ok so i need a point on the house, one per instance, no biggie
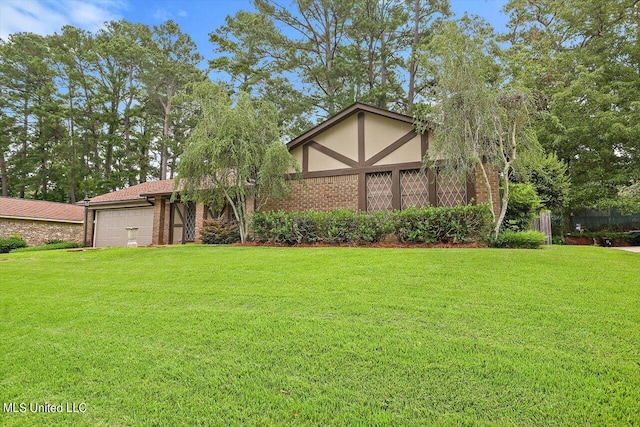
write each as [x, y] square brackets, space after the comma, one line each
[38, 221]
[363, 158]
[367, 158]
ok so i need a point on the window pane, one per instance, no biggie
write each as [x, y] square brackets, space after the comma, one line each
[452, 188]
[415, 189]
[379, 195]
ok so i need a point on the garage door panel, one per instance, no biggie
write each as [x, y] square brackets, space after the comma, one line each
[111, 226]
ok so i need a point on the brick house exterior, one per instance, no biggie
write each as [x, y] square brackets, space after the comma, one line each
[38, 221]
[363, 158]
[149, 208]
[366, 158]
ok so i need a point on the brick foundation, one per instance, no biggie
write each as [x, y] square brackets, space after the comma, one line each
[37, 233]
[320, 194]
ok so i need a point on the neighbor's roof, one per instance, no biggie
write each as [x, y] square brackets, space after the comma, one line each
[40, 210]
[342, 115]
[136, 192]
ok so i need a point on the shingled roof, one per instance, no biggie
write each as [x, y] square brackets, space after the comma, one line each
[136, 192]
[40, 210]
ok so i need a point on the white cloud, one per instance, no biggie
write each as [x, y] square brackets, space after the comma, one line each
[182, 13]
[48, 16]
[161, 14]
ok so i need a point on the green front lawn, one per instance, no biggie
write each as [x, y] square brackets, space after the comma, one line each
[322, 336]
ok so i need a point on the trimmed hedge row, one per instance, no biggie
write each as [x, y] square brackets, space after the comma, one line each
[457, 224]
[49, 247]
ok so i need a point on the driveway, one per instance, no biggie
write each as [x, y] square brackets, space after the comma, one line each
[635, 249]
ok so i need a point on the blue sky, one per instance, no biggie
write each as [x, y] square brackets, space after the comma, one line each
[196, 17]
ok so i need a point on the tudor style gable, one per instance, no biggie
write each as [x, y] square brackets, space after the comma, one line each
[367, 158]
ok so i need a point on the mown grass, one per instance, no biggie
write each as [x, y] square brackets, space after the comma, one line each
[201, 335]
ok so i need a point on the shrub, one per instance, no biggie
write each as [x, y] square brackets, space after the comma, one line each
[372, 227]
[457, 224]
[11, 243]
[519, 240]
[54, 242]
[337, 226]
[613, 235]
[217, 231]
[524, 204]
[275, 227]
[50, 246]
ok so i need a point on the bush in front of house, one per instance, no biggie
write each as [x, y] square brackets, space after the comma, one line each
[11, 243]
[218, 231]
[519, 240]
[59, 244]
[458, 224]
[424, 225]
[337, 226]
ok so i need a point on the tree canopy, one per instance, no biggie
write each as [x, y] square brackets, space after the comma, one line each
[480, 120]
[581, 59]
[233, 155]
[84, 112]
[90, 113]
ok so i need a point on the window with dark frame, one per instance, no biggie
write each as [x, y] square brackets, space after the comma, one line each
[379, 191]
[451, 188]
[414, 189]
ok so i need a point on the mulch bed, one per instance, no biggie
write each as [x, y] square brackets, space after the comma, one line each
[370, 245]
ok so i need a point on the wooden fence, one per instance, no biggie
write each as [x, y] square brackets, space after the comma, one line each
[543, 224]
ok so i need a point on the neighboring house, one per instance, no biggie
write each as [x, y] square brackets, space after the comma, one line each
[38, 221]
[363, 158]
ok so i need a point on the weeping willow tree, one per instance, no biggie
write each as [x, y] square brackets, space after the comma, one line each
[480, 122]
[233, 155]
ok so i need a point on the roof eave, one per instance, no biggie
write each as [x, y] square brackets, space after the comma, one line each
[120, 202]
[27, 218]
[160, 194]
[342, 115]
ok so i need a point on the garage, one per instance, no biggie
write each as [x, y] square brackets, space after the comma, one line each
[111, 226]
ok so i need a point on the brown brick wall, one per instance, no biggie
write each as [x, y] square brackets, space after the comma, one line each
[200, 218]
[160, 232]
[90, 227]
[321, 194]
[39, 232]
[482, 195]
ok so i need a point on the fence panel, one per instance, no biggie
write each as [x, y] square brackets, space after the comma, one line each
[543, 224]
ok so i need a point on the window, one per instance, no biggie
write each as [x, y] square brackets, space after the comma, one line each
[379, 193]
[189, 222]
[451, 188]
[414, 189]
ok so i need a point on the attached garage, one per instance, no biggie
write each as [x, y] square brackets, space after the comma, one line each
[111, 226]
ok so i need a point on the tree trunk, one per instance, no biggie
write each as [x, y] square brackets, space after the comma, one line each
[164, 152]
[412, 62]
[72, 193]
[505, 201]
[487, 184]
[382, 103]
[4, 178]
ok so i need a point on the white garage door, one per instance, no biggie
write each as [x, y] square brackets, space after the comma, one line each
[111, 226]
